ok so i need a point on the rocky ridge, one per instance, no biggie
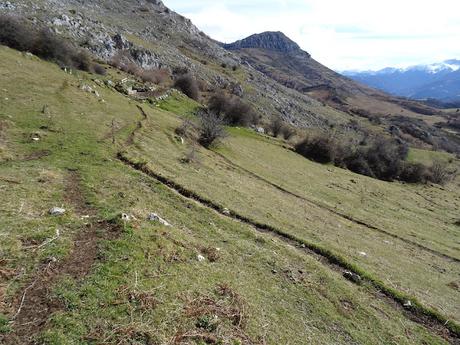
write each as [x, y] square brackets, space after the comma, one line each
[156, 37]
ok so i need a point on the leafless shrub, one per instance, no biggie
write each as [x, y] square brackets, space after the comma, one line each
[440, 173]
[191, 156]
[320, 148]
[211, 129]
[233, 109]
[187, 129]
[188, 85]
[413, 173]
[156, 76]
[275, 127]
[288, 132]
[98, 69]
[17, 34]
[378, 157]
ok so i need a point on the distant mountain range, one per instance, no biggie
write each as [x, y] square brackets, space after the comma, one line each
[440, 81]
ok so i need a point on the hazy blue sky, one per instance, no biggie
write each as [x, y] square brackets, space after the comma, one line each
[342, 34]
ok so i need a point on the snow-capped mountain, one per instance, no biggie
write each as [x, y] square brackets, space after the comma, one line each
[438, 80]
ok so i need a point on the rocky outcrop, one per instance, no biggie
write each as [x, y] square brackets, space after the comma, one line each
[270, 40]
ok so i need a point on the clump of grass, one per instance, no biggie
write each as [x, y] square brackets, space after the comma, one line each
[213, 254]
[4, 324]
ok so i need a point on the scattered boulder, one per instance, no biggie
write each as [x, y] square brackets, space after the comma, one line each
[363, 254]
[57, 211]
[153, 217]
[200, 258]
[355, 278]
[260, 130]
[226, 211]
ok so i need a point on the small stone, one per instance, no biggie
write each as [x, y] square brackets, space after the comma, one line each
[274, 271]
[200, 258]
[56, 211]
[50, 260]
[407, 304]
[363, 253]
[153, 217]
[226, 211]
[125, 217]
[86, 88]
[355, 278]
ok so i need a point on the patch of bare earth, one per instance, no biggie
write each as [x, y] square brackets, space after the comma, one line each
[35, 305]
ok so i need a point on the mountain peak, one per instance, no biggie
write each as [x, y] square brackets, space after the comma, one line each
[270, 40]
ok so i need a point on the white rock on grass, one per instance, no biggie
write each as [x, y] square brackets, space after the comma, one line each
[153, 217]
[56, 211]
[200, 258]
[125, 217]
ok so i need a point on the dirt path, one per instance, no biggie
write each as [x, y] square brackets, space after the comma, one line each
[35, 304]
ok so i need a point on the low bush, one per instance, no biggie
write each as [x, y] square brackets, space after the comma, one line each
[188, 85]
[17, 34]
[414, 173]
[288, 132]
[440, 173]
[320, 148]
[156, 76]
[232, 109]
[98, 69]
[380, 158]
[276, 126]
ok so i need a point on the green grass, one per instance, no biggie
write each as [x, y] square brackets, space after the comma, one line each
[178, 103]
[427, 157]
[147, 284]
[415, 215]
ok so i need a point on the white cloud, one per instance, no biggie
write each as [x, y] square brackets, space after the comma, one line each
[343, 34]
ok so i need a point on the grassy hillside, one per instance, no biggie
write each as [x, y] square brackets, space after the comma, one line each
[92, 276]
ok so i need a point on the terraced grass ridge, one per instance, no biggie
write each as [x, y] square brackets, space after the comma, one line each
[260, 245]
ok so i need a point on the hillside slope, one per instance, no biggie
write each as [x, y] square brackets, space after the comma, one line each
[155, 36]
[104, 273]
[118, 228]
